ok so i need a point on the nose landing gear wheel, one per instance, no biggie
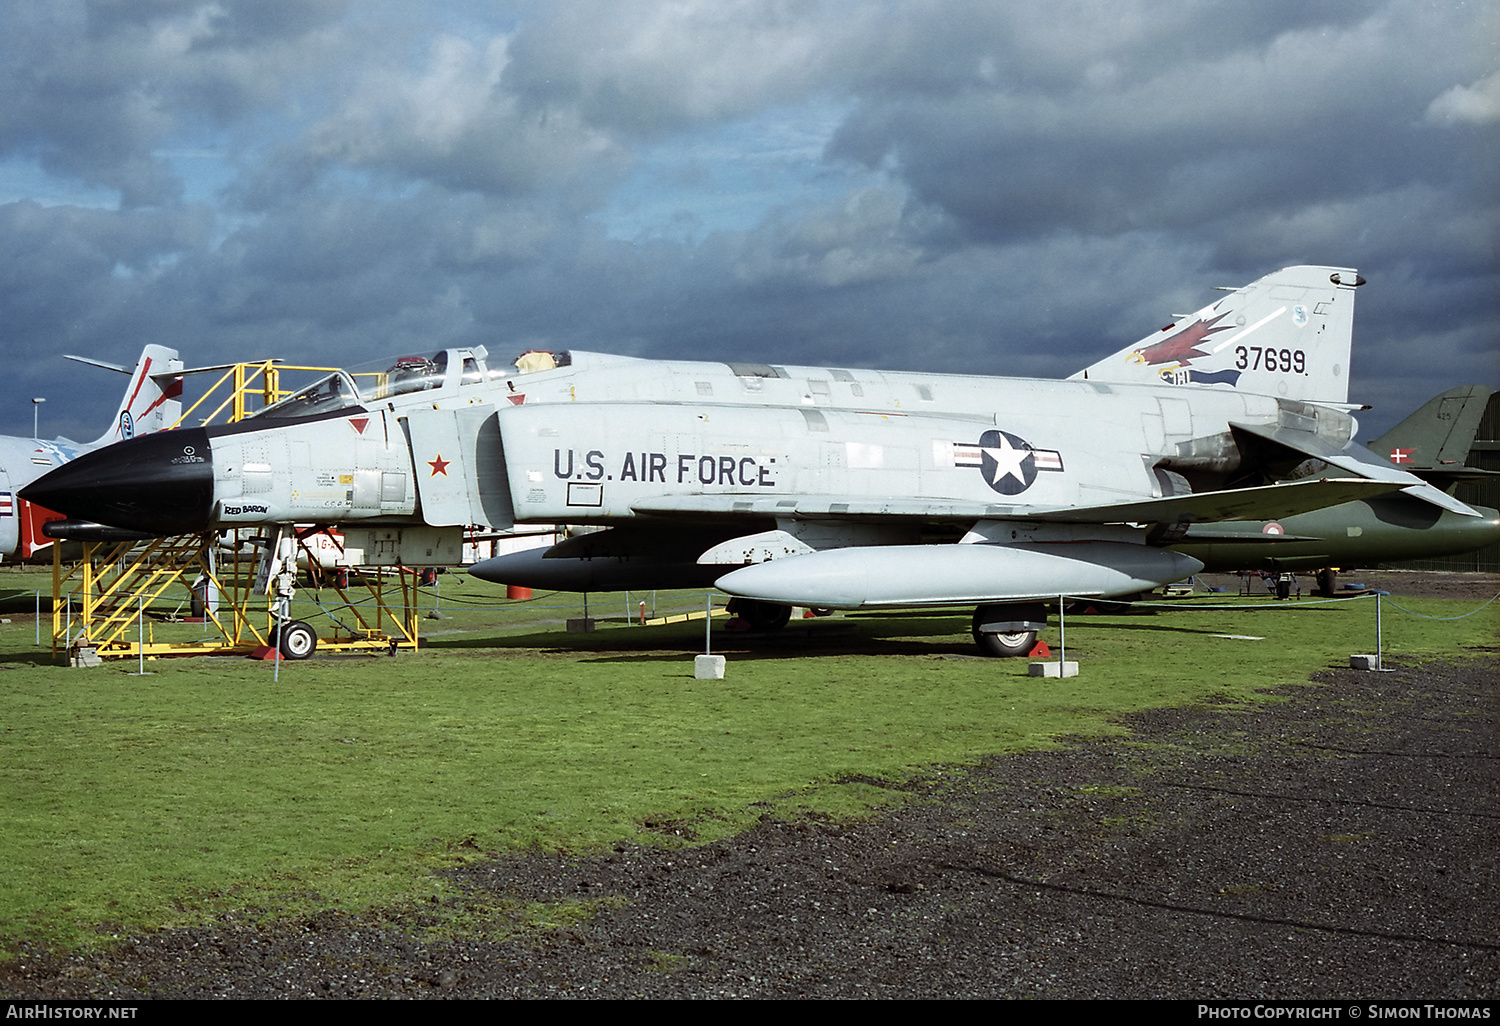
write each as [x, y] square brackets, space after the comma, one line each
[296, 640]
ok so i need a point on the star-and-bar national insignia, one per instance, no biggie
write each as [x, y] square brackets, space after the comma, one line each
[1008, 463]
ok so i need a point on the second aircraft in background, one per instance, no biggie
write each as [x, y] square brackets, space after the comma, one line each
[151, 403]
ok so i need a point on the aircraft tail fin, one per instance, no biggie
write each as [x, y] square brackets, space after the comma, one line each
[1438, 435]
[1288, 334]
[152, 400]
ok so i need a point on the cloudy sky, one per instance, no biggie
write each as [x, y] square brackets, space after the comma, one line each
[990, 187]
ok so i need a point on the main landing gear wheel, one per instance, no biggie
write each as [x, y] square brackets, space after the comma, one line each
[1008, 631]
[295, 639]
[1328, 582]
[1005, 645]
[761, 616]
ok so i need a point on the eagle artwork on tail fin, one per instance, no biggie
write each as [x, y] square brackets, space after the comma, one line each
[1181, 348]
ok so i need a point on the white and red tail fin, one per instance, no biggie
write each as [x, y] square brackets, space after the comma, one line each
[152, 400]
[1287, 335]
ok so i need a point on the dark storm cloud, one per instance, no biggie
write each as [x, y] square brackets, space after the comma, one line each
[1234, 119]
[641, 69]
[93, 88]
[449, 121]
[1022, 188]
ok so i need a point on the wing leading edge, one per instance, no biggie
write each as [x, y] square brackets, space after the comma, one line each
[1267, 502]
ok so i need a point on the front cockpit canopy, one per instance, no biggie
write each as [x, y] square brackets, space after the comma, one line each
[327, 395]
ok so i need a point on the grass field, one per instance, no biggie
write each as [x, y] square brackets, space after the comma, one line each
[206, 786]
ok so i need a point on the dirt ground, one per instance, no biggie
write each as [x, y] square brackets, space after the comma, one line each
[1342, 842]
[1412, 583]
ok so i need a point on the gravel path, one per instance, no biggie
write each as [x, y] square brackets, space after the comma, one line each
[1341, 843]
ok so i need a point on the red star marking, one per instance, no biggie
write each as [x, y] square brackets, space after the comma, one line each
[1401, 455]
[359, 423]
[439, 465]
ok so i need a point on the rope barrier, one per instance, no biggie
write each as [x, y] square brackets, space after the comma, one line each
[1424, 616]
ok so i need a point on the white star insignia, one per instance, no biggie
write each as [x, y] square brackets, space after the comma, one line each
[1008, 461]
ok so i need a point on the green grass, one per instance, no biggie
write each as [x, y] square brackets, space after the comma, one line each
[208, 786]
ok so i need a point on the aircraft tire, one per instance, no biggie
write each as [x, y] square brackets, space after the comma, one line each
[1012, 628]
[296, 640]
[1328, 581]
[762, 616]
[1005, 644]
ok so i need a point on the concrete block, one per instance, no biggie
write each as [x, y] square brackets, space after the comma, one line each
[1054, 669]
[708, 667]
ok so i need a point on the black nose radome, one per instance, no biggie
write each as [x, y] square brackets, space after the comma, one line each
[160, 484]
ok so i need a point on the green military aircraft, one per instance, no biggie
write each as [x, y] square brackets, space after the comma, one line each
[1432, 444]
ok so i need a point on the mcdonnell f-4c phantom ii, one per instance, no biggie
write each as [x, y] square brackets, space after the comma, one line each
[150, 403]
[814, 486]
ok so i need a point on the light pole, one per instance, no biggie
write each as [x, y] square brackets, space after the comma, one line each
[36, 407]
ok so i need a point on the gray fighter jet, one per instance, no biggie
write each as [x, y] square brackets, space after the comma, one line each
[815, 486]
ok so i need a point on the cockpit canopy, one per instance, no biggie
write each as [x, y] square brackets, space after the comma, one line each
[449, 368]
[327, 395]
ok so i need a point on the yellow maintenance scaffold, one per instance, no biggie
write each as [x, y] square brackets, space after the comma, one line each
[149, 598]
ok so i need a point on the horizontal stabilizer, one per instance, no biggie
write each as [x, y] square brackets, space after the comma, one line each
[166, 373]
[1267, 502]
[1356, 460]
[120, 368]
[210, 368]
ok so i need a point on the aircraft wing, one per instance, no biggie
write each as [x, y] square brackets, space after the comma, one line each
[1268, 502]
[1209, 535]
